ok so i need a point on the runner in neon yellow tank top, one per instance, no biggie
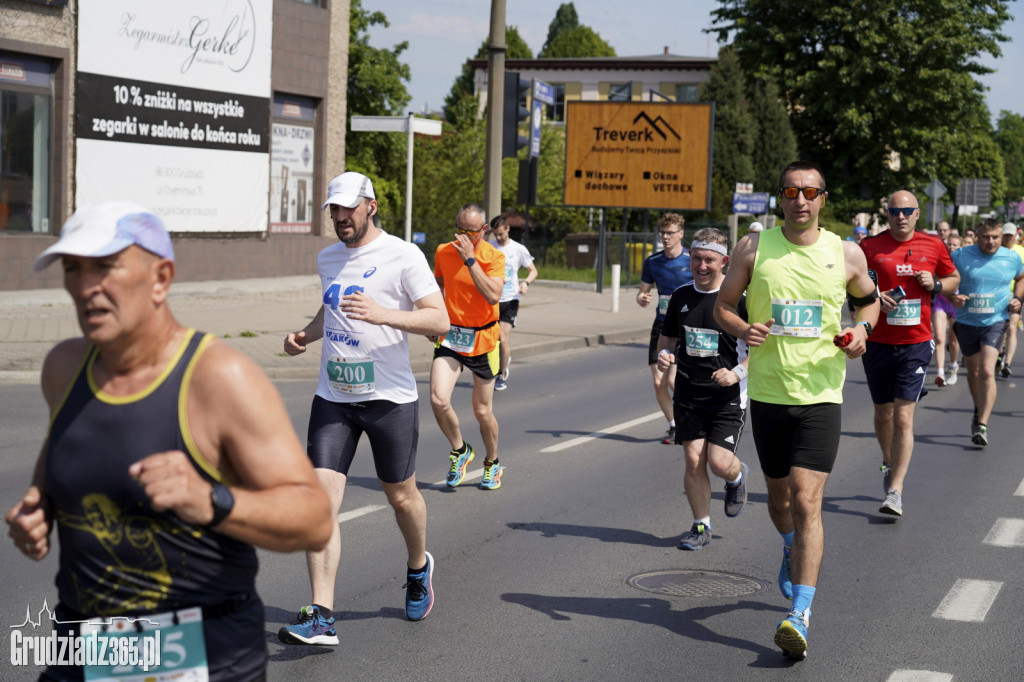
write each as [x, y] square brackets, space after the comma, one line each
[796, 279]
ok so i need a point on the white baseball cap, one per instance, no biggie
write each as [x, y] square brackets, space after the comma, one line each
[347, 189]
[756, 227]
[103, 229]
[1009, 228]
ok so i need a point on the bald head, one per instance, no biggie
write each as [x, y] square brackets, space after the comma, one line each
[902, 199]
[903, 214]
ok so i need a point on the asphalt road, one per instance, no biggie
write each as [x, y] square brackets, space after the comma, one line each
[532, 580]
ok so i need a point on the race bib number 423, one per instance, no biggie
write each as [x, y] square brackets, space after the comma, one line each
[796, 317]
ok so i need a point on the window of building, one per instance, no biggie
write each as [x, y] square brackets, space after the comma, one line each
[556, 111]
[25, 133]
[620, 92]
[686, 93]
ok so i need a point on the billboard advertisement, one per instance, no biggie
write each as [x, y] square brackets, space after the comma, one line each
[639, 155]
[172, 110]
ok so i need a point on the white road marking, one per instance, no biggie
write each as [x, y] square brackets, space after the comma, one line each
[362, 511]
[1006, 533]
[968, 600]
[602, 433]
[919, 676]
[470, 475]
[1020, 489]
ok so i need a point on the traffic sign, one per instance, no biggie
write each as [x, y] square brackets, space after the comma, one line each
[543, 92]
[753, 203]
[976, 191]
[935, 189]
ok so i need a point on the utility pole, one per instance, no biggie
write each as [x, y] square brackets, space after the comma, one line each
[495, 95]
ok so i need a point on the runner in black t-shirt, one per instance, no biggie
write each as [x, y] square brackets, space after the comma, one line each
[710, 395]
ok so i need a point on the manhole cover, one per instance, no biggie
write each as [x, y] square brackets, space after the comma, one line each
[679, 583]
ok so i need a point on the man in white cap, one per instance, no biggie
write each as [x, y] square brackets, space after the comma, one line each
[168, 456]
[377, 289]
[1009, 240]
[755, 227]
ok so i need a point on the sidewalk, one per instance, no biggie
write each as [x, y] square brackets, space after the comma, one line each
[254, 316]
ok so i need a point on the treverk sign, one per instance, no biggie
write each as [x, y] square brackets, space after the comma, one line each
[639, 154]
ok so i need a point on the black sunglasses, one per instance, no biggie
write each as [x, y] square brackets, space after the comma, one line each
[908, 211]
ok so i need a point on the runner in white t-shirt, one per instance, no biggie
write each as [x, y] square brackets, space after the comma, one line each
[377, 289]
[516, 256]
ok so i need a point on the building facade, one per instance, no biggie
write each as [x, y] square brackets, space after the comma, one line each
[661, 78]
[227, 117]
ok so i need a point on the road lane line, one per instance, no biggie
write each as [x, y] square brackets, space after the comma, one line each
[602, 433]
[361, 511]
[1006, 533]
[968, 600]
[470, 475]
[919, 676]
[1020, 489]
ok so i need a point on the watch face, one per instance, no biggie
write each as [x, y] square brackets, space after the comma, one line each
[222, 499]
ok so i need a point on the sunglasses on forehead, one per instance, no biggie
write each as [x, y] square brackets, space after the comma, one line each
[908, 211]
[810, 193]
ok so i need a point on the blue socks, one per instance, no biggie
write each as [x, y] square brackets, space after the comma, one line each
[802, 597]
[788, 537]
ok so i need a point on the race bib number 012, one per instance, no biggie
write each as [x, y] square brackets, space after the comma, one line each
[796, 317]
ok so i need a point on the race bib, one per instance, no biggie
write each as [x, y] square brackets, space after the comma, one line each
[460, 339]
[663, 304]
[906, 314]
[984, 304]
[701, 343]
[509, 289]
[170, 646]
[350, 375]
[796, 317]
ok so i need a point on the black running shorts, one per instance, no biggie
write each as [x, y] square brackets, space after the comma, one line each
[393, 430]
[787, 436]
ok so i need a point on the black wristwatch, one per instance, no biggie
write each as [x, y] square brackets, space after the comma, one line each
[937, 287]
[867, 326]
[469, 262]
[223, 502]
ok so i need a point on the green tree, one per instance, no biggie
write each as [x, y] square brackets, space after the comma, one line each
[861, 79]
[1009, 136]
[774, 139]
[376, 87]
[565, 19]
[462, 89]
[581, 41]
[734, 131]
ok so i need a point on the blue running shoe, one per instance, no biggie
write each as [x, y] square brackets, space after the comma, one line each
[791, 635]
[785, 581]
[310, 628]
[459, 463]
[419, 591]
[698, 537]
[736, 495]
[492, 476]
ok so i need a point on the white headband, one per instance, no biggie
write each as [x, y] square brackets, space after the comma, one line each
[710, 246]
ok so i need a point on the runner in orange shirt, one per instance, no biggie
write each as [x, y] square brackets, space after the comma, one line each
[471, 274]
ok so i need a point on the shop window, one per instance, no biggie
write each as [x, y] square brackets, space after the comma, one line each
[25, 133]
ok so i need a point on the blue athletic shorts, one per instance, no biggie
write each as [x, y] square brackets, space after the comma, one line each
[393, 430]
[897, 370]
[972, 338]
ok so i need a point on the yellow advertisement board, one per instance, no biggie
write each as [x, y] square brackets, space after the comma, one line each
[639, 155]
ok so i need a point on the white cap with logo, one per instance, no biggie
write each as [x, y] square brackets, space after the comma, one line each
[1009, 228]
[103, 229]
[756, 227]
[347, 189]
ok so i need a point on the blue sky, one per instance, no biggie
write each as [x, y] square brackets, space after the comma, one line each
[442, 35]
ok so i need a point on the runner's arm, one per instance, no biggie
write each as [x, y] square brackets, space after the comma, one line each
[531, 275]
[430, 317]
[239, 424]
[296, 342]
[859, 285]
[737, 279]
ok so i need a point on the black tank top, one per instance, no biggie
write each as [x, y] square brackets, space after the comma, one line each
[117, 555]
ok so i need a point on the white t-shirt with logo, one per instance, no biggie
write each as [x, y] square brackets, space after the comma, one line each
[516, 256]
[362, 361]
